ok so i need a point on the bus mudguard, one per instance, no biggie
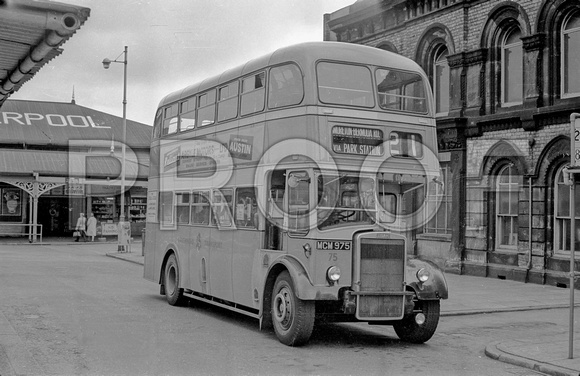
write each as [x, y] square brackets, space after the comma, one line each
[434, 288]
[305, 289]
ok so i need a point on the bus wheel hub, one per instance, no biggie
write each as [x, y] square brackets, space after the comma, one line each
[282, 307]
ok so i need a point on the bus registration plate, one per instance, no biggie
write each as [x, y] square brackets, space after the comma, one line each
[334, 245]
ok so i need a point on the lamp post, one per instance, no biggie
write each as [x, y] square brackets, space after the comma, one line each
[123, 237]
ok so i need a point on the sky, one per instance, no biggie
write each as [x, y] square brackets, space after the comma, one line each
[171, 44]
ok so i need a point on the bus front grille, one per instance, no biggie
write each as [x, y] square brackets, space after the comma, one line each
[381, 275]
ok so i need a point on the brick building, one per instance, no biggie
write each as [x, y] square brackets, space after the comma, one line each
[506, 80]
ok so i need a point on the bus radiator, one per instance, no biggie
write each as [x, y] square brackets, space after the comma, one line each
[382, 273]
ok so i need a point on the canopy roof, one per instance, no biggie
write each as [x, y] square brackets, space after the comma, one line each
[31, 34]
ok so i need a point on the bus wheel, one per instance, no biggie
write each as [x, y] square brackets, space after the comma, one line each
[293, 318]
[419, 327]
[173, 293]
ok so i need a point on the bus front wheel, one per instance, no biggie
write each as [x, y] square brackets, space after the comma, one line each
[409, 330]
[173, 293]
[293, 318]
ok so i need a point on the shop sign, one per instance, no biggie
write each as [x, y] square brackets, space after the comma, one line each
[73, 188]
[109, 229]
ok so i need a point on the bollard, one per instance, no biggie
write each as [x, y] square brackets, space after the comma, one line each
[143, 242]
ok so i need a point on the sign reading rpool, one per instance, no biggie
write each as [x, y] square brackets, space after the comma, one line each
[55, 120]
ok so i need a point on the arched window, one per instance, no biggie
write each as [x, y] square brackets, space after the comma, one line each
[441, 81]
[512, 68]
[562, 214]
[507, 197]
[570, 56]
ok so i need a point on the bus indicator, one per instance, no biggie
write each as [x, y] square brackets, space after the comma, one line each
[332, 245]
[354, 140]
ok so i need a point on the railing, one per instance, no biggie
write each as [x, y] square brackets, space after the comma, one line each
[7, 231]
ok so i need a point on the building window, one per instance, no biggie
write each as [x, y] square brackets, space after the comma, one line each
[441, 222]
[512, 68]
[570, 56]
[562, 216]
[441, 81]
[507, 198]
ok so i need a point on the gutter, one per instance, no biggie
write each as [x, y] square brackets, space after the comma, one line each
[60, 26]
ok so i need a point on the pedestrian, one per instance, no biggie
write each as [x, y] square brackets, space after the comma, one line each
[81, 227]
[92, 227]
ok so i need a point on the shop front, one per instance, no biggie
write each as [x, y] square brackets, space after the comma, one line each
[58, 160]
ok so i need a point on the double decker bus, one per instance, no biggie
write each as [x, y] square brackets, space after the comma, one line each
[286, 189]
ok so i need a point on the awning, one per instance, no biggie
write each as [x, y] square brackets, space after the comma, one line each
[70, 164]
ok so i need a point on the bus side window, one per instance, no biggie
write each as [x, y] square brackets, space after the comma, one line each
[206, 108]
[166, 209]
[200, 208]
[298, 201]
[285, 87]
[246, 208]
[157, 125]
[187, 115]
[182, 209]
[170, 120]
[228, 101]
[221, 204]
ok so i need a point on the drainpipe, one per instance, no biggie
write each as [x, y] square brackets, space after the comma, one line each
[530, 207]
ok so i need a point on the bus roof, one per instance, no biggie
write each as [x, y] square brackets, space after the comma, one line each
[304, 54]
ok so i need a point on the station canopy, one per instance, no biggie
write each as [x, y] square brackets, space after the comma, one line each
[32, 33]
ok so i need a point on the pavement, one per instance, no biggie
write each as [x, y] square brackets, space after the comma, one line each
[468, 295]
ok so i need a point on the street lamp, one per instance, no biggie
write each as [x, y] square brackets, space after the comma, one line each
[123, 236]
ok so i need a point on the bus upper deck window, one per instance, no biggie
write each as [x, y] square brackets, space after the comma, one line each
[170, 120]
[187, 115]
[285, 87]
[206, 109]
[401, 91]
[345, 84]
[253, 93]
[228, 101]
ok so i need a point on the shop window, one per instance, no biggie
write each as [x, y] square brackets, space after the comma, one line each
[571, 56]
[507, 200]
[253, 94]
[206, 109]
[441, 222]
[562, 218]
[441, 81]
[11, 203]
[228, 102]
[512, 68]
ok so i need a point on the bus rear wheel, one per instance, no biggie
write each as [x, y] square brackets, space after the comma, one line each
[409, 330]
[173, 293]
[293, 318]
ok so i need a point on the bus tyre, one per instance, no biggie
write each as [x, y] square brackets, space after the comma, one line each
[409, 330]
[293, 318]
[173, 293]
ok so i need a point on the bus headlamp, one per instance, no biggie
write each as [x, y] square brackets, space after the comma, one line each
[423, 275]
[333, 274]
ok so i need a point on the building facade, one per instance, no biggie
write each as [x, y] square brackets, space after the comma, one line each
[58, 160]
[506, 80]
